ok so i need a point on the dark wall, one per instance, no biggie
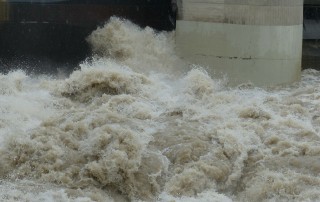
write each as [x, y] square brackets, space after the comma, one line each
[311, 35]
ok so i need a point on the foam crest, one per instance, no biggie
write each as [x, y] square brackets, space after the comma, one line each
[110, 79]
[11, 83]
[23, 103]
[144, 50]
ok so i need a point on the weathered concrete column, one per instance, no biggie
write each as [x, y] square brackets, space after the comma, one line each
[249, 40]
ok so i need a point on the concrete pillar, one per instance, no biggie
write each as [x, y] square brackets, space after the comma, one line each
[249, 40]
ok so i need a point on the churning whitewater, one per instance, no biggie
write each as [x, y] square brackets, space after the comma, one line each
[136, 123]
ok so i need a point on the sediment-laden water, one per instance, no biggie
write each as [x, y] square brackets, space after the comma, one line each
[138, 124]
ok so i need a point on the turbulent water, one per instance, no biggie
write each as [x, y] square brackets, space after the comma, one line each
[137, 124]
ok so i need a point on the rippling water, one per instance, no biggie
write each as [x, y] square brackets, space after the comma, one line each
[138, 124]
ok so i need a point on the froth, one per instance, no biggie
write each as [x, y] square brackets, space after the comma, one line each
[144, 50]
[129, 135]
[110, 79]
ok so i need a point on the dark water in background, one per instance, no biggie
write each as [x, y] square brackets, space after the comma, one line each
[137, 123]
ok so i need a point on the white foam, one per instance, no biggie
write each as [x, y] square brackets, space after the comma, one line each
[112, 131]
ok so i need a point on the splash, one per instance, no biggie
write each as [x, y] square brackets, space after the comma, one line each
[113, 132]
[144, 50]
